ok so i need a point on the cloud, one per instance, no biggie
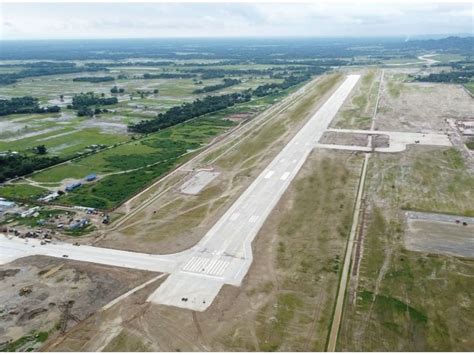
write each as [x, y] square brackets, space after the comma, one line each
[127, 20]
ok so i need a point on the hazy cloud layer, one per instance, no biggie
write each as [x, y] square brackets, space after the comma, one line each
[151, 20]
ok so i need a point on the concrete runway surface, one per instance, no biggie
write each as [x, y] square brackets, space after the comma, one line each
[224, 255]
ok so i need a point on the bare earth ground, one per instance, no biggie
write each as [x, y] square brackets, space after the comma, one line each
[345, 138]
[420, 107]
[175, 222]
[53, 283]
[286, 300]
[357, 112]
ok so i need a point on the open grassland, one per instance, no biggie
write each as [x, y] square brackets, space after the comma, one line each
[406, 300]
[127, 341]
[65, 134]
[448, 57]
[357, 111]
[65, 142]
[434, 180]
[311, 227]
[21, 191]
[470, 87]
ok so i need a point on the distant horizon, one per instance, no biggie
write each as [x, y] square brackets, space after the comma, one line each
[412, 38]
[88, 21]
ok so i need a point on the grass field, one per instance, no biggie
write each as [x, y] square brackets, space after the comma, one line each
[406, 300]
[470, 87]
[311, 233]
[357, 112]
[21, 191]
[135, 164]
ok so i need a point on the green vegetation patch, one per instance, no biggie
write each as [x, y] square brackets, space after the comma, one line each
[21, 191]
[145, 161]
[390, 307]
[470, 87]
[26, 343]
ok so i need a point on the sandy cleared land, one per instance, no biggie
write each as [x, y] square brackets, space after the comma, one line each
[397, 141]
[198, 182]
[420, 107]
[53, 283]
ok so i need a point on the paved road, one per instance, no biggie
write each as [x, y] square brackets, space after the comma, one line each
[438, 217]
[12, 248]
[224, 255]
[398, 141]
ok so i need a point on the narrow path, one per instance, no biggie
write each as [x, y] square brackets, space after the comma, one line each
[132, 291]
[347, 262]
[339, 308]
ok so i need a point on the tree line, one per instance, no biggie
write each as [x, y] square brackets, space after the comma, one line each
[267, 89]
[94, 79]
[199, 107]
[456, 77]
[25, 104]
[82, 103]
[13, 165]
[187, 111]
[46, 68]
[226, 83]
[209, 73]
[168, 76]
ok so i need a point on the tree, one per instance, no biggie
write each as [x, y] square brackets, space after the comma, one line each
[41, 149]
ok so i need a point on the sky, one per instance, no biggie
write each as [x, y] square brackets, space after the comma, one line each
[157, 20]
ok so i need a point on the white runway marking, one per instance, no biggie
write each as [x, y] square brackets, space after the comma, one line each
[253, 219]
[269, 174]
[285, 176]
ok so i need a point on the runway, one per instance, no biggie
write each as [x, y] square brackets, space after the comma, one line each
[224, 255]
